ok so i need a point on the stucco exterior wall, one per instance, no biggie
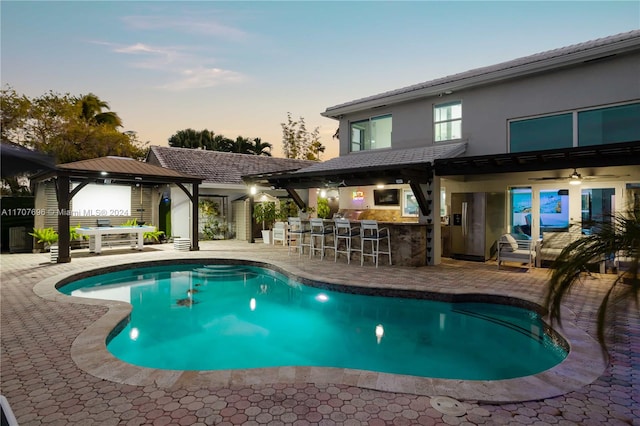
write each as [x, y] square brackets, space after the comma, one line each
[486, 110]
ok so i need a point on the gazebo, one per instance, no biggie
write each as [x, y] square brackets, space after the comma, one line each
[112, 169]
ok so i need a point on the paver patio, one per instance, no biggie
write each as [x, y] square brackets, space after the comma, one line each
[44, 385]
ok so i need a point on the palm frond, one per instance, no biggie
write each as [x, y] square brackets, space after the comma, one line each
[618, 234]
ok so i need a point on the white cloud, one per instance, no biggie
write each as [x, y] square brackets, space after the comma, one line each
[141, 48]
[203, 25]
[200, 78]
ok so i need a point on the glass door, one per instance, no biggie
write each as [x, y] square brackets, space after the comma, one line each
[598, 206]
[520, 211]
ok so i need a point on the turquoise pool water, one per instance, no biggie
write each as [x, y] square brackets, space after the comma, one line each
[215, 317]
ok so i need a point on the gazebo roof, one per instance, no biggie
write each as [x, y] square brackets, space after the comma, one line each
[119, 169]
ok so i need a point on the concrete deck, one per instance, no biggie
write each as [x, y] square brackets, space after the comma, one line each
[55, 369]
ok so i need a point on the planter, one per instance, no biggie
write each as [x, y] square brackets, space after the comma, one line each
[54, 254]
[266, 236]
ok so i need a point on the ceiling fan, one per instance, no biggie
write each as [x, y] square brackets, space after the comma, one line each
[574, 178]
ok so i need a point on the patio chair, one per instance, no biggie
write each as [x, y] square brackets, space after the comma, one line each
[517, 251]
[279, 233]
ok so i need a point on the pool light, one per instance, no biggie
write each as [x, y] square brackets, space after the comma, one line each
[134, 333]
[252, 304]
[379, 332]
[322, 297]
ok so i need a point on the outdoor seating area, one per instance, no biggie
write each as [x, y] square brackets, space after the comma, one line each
[346, 238]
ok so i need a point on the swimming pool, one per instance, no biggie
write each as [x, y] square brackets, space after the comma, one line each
[218, 317]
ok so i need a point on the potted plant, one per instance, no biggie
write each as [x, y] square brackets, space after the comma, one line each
[265, 212]
[323, 208]
[153, 236]
[45, 236]
[75, 239]
[305, 212]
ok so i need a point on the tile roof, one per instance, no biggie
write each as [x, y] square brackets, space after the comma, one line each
[221, 167]
[122, 165]
[544, 60]
[386, 158]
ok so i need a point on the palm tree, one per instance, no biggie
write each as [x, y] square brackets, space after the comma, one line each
[261, 148]
[91, 108]
[242, 145]
[620, 235]
[187, 138]
[222, 143]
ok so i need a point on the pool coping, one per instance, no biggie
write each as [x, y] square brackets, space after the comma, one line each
[583, 365]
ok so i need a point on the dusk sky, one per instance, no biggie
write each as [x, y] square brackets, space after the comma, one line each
[237, 68]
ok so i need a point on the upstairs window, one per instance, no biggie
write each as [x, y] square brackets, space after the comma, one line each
[550, 132]
[373, 133]
[609, 125]
[447, 121]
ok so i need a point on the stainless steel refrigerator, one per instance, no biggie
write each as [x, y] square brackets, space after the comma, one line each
[478, 221]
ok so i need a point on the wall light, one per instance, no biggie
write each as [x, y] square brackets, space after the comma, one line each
[323, 193]
[253, 190]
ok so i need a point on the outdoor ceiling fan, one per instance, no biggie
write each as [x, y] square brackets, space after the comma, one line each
[574, 178]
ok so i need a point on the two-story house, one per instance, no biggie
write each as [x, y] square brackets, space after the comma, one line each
[551, 140]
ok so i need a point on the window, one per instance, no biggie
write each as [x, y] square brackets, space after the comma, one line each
[447, 121]
[609, 125]
[373, 133]
[409, 203]
[534, 134]
[600, 126]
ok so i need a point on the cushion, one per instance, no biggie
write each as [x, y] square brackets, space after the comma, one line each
[509, 243]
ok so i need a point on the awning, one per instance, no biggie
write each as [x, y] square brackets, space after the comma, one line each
[414, 165]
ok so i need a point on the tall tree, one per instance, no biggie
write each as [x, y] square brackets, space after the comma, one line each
[187, 138]
[91, 110]
[298, 142]
[242, 145]
[55, 124]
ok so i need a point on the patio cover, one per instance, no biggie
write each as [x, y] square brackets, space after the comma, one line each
[618, 154]
[112, 169]
[381, 167]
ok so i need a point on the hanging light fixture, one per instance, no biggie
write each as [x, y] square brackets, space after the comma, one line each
[575, 178]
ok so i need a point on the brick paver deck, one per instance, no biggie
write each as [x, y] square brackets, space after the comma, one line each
[44, 385]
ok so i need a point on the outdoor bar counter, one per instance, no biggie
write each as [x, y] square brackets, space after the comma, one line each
[409, 242]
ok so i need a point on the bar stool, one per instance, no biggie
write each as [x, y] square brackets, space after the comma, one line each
[345, 232]
[319, 231]
[297, 231]
[371, 232]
